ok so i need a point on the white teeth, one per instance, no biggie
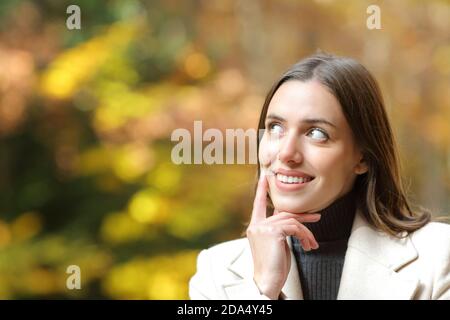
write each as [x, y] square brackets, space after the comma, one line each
[290, 179]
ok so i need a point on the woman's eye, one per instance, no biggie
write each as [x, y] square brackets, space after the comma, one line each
[318, 134]
[275, 128]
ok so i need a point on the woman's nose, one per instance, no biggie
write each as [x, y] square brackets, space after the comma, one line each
[290, 149]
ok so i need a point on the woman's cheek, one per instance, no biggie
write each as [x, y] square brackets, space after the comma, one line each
[264, 158]
[268, 151]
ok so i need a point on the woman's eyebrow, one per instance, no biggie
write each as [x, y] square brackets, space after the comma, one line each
[306, 120]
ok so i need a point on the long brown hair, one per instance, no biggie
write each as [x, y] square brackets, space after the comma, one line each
[379, 192]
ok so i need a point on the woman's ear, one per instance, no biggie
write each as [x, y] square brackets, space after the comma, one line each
[361, 167]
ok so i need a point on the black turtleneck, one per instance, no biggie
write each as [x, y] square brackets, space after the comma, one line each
[321, 269]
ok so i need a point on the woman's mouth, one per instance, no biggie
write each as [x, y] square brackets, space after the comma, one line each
[292, 180]
[286, 183]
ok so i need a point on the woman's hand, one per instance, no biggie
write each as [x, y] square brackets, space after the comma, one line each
[267, 237]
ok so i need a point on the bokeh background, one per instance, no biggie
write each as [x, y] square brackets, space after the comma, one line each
[86, 116]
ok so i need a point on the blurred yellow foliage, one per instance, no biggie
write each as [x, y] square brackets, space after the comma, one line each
[148, 207]
[119, 227]
[437, 129]
[26, 226]
[167, 177]
[94, 161]
[30, 271]
[118, 103]
[75, 66]
[41, 281]
[128, 162]
[191, 222]
[159, 277]
[441, 60]
[131, 161]
[5, 234]
[197, 65]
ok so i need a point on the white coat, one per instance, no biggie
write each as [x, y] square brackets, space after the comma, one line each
[376, 266]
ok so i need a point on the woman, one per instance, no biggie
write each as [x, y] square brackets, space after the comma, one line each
[330, 219]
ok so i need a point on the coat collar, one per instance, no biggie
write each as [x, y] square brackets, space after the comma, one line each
[371, 264]
[369, 271]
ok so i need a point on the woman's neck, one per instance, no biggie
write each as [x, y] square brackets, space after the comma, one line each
[336, 220]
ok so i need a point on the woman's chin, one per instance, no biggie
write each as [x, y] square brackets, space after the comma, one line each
[283, 207]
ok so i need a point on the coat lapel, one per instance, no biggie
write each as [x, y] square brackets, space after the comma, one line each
[369, 272]
[371, 264]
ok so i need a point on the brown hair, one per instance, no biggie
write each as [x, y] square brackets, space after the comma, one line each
[379, 192]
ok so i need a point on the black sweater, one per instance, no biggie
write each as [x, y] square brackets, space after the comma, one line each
[320, 270]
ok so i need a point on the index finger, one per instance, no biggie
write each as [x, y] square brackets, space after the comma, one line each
[260, 202]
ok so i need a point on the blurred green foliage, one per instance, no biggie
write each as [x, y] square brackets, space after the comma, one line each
[86, 117]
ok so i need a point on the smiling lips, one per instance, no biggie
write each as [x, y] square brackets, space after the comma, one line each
[291, 180]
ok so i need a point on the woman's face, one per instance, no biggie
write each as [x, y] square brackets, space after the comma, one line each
[307, 133]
